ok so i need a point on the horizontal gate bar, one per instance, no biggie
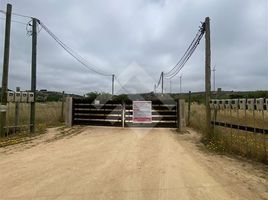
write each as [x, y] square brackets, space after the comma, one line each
[240, 127]
[97, 111]
[127, 121]
[158, 118]
[97, 106]
[156, 101]
[164, 112]
[118, 117]
[90, 101]
[127, 102]
[119, 123]
[116, 111]
[89, 114]
[167, 108]
[98, 123]
[151, 125]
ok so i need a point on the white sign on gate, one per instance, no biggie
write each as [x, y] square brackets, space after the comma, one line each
[142, 112]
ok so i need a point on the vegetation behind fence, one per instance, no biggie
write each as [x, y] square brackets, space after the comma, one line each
[47, 114]
[244, 143]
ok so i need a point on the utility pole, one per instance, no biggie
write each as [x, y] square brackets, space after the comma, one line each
[5, 71]
[208, 77]
[33, 78]
[154, 88]
[162, 77]
[113, 84]
[189, 108]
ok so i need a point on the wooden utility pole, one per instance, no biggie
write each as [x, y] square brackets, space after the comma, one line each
[208, 77]
[162, 77]
[189, 108]
[17, 110]
[113, 84]
[5, 71]
[33, 78]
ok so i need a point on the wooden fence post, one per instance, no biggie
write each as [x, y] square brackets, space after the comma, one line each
[123, 115]
[69, 112]
[62, 106]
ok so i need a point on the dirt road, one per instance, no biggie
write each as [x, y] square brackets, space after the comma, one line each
[128, 164]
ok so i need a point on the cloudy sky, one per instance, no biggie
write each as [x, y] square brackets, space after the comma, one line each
[136, 40]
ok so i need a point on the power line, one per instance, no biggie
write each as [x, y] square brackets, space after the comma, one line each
[188, 53]
[80, 59]
[188, 49]
[182, 63]
[15, 21]
[76, 56]
[17, 14]
[20, 15]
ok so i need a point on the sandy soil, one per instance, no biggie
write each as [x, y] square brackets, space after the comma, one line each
[115, 163]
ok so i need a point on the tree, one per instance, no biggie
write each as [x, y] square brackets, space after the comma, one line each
[92, 95]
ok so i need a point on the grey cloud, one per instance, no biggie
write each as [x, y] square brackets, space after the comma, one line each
[153, 33]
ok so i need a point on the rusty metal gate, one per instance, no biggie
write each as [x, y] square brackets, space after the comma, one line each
[116, 113]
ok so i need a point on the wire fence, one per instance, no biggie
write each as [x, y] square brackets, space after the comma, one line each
[237, 128]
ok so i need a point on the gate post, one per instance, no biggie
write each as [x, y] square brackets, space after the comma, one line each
[181, 123]
[123, 114]
[69, 111]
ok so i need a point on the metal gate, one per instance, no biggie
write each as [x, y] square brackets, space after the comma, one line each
[83, 111]
[164, 114]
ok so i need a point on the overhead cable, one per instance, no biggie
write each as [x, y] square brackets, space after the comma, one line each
[15, 21]
[16, 14]
[76, 56]
[188, 53]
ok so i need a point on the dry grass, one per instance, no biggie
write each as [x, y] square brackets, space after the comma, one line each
[243, 143]
[47, 114]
